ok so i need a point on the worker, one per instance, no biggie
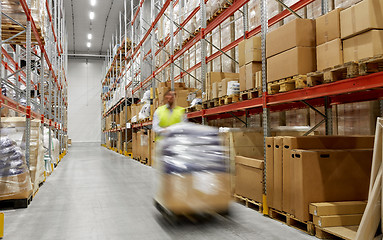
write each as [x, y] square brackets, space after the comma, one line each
[168, 114]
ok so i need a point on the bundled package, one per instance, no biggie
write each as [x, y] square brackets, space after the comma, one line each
[15, 182]
[192, 166]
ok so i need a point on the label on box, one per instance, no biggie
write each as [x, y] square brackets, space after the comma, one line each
[128, 125]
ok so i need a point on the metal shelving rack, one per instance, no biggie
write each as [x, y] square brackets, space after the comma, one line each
[45, 58]
[363, 88]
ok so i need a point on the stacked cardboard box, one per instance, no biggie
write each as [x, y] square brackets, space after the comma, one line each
[213, 79]
[336, 214]
[250, 58]
[181, 93]
[36, 150]
[329, 45]
[290, 50]
[317, 169]
[362, 30]
[246, 159]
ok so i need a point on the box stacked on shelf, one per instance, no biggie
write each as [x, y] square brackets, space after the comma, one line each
[329, 45]
[250, 58]
[290, 50]
[216, 79]
[362, 30]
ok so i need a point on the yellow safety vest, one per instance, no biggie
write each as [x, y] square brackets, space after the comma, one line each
[168, 118]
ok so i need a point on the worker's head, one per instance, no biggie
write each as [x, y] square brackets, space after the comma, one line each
[169, 97]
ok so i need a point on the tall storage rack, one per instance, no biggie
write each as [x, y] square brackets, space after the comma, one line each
[363, 88]
[34, 60]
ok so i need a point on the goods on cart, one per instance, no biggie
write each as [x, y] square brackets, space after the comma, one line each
[192, 171]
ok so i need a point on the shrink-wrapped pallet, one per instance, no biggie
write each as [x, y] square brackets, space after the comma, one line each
[192, 170]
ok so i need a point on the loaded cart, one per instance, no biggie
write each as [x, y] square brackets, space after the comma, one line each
[192, 173]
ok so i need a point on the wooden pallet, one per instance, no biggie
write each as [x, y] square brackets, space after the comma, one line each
[336, 73]
[371, 65]
[144, 120]
[219, 11]
[289, 220]
[16, 203]
[194, 108]
[249, 203]
[344, 232]
[250, 94]
[225, 100]
[288, 84]
[210, 103]
[10, 30]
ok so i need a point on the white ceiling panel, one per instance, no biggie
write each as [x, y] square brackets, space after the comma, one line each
[102, 28]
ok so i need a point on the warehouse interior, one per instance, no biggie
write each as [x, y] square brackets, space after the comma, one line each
[191, 119]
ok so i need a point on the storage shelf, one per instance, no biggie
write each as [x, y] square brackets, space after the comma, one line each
[364, 88]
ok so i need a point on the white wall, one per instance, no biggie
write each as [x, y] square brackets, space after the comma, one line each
[84, 103]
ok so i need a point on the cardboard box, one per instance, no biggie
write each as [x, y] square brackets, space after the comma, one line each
[297, 33]
[241, 53]
[253, 50]
[329, 54]
[122, 118]
[313, 142]
[128, 146]
[258, 80]
[182, 194]
[214, 90]
[330, 175]
[361, 17]
[222, 87]
[181, 98]
[337, 208]
[242, 78]
[368, 44]
[299, 60]
[328, 27]
[251, 69]
[249, 177]
[270, 171]
[278, 173]
[213, 77]
[337, 220]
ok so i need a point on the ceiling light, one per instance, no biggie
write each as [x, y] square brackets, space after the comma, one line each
[88, 44]
[91, 15]
[89, 36]
[93, 2]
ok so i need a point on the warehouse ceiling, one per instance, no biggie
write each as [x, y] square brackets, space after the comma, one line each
[102, 27]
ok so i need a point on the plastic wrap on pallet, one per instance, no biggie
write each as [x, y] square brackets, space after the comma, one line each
[301, 12]
[144, 112]
[15, 182]
[356, 118]
[238, 25]
[232, 88]
[254, 13]
[192, 170]
[345, 3]
[216, 38]
[273, 9]
[226, 39]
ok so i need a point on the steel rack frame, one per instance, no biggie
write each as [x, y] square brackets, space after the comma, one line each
[45, 60]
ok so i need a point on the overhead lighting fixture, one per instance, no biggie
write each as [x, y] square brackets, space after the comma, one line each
[91, 15]
[92, 2]
[89, 36]
[88, 44]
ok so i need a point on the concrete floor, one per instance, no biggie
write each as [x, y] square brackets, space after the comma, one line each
[97, 194]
